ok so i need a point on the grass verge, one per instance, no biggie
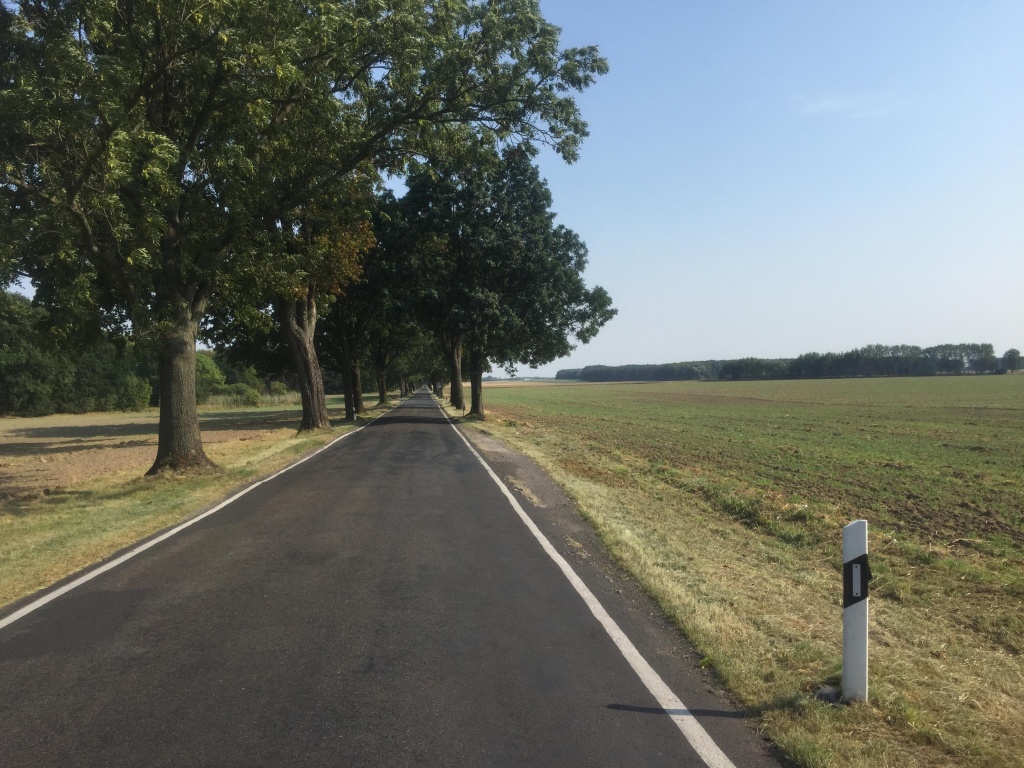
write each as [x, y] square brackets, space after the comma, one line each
[726, 503]
[49, 535]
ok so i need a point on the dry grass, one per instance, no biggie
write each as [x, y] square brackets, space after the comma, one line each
[712, 521]
[72, 490]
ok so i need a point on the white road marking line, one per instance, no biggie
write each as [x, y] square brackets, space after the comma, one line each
[51, 596]
[694, 732]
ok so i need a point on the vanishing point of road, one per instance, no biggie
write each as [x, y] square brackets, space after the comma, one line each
[381, 604]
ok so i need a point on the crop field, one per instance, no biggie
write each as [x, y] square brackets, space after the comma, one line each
[727, 500]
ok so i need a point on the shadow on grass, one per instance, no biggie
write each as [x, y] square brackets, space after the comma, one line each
[78, 445]
[80, 432]
[70, 438]
[19, 502]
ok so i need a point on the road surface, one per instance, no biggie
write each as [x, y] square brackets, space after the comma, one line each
[381, 604]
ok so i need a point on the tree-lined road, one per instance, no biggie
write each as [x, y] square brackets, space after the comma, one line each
[379, 604]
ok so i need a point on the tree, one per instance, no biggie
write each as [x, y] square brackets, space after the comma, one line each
[446, 238]
[420, 362]
[291, 273]
[981, 358]
[1011, 360]
[138, 139]
[30, 378]
[540, 304]
[502, 281]
[144, 119]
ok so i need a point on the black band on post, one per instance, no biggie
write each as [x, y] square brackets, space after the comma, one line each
[855, 590]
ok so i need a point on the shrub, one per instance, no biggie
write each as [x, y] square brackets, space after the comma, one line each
[133, 394]
[209, 378]
[239, 395]
[238, 373]
[278, 389]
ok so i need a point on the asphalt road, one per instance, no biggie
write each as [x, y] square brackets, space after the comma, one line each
[378, 605]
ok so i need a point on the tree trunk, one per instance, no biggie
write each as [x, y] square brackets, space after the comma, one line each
[453, 351]
[476, 383]
[346, 378]
[357, 388]
[382, 389]
[380, 368]
[180, 443]
[298, 319]
[350, 410]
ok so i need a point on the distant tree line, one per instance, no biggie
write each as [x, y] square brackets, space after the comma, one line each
[870, 361]
[43, 373]
[39, 377]
[696, 371]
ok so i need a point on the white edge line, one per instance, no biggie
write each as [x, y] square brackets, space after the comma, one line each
[694, 732]
[51, 596]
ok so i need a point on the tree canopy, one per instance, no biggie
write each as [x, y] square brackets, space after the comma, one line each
[149, 150]
[502, 281]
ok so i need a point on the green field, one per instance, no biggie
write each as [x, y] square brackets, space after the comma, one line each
[727, 501]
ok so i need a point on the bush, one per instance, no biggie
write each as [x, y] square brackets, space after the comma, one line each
[278, 389]
[209, 378]
[239, 395]
[238, 373]
[133, 394]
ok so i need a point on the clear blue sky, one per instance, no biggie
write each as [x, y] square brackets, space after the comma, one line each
[768, 179]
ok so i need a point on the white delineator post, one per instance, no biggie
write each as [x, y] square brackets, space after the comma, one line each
[856, 575]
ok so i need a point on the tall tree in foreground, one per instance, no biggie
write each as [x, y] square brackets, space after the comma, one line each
[135, 136]
[137, 184]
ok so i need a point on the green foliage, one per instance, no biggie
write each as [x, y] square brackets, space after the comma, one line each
[494, 267]
[160, 157]
[134, 393]
[38, 378]
[28, 375]
[1011, 360]
[239, 395]
[233, 384]
[209, 378]
[238, 373]
[31, 382]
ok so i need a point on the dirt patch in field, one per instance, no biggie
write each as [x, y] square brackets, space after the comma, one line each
[39, 456]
